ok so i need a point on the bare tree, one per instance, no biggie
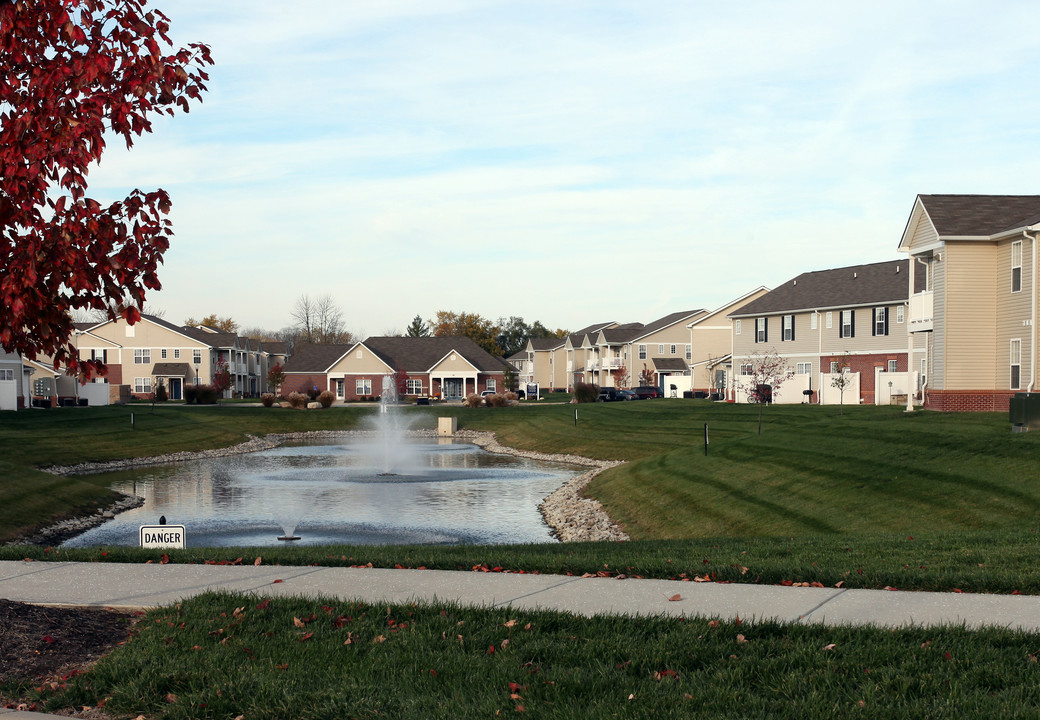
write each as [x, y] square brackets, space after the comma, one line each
[319, 320]
[762, 378]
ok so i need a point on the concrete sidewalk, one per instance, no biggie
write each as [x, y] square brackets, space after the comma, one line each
[145, 586]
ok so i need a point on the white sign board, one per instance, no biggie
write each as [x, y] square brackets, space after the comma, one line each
[162, 536]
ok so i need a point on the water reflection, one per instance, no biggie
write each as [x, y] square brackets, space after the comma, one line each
[332, 493]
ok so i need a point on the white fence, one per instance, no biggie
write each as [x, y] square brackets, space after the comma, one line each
[891, 388]
[95, 393]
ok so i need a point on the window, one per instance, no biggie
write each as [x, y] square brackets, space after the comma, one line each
[176, 353]
[642, 352]
[893, 366]
[1016, 267]
[736, 327]
[162, 353]
[803, 368]
[339, 388]
[673, 350]
[491, 385]
[689, 352]
[142, 385]
[7, 374]
[761, 329]
[899, 314]
[880, 326]
[142, 356]
[814, 321]
[848, 324]
[1016, 364]
[660, 349]
[788, 327]
[196, 357]
[413, 386]
[363, 386]
[101, 355]
[830, 320]
[834, 367]
[747, 369]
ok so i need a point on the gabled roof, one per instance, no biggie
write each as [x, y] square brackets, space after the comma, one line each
[542, 344]
[635, 331]
[670, 364]
[315, 358]
[722, 310]
[578, 337]
[873, 284]
[980, 215]
[171, 369]
[421, 354]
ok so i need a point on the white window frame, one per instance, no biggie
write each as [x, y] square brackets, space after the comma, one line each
[414, 386]
[142, 356]
[642, 352]
[814, 321]
[162, 353]
[689, 351]
[761, 330]
[196, 357]
[893, 366]
[1015, 369]
[6, 375]
[673, 348]
[142, 385]
[830, 320]
[176, 353]
[491, 384]
[900, 309]
[880, 326]
[363, 386]
[736, 327]
[847, 328]
[660, 350]
[788, 328]
[834, 367]
[747, 369]
[340, 388]
[1016, 266]
[803, 368]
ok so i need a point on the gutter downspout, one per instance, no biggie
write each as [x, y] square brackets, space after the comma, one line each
[910, 265]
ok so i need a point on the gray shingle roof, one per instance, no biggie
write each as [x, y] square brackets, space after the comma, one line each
[314, 358]
[876, 283]
[670, 364]
[414, 355]
[171, 369]
[980, 215]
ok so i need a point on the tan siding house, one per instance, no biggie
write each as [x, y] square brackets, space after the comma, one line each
[978, 312]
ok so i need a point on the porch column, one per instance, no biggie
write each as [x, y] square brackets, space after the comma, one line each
[911, 389]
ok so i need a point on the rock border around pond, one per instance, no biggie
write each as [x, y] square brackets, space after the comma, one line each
[571, 516]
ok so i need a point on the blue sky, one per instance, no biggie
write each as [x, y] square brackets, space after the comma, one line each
[568, 162]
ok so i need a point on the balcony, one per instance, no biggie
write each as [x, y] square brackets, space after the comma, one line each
[921, 312]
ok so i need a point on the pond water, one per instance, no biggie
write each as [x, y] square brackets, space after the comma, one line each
[449, 493]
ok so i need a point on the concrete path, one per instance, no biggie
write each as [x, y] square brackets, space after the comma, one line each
[146, 586]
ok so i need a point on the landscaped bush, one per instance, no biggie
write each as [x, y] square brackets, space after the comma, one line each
[585, 392]
[512, 396]
[207, 395]
[190, 394]
[472, 400]
[496, 400]
[267, 399]
[160, 393]
[297, 400]
[326, 398]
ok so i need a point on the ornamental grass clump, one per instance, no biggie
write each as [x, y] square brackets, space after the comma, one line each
[326, 398]
[585, 393]
[297, 400]
[473, 400]
[267, 399]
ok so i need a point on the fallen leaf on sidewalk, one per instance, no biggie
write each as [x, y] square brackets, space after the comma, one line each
[675, 598]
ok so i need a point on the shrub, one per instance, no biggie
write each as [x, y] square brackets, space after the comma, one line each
[207, 395]
[314, 392]
[512, 396]
[326, 398]
[585, 392]
[297, 400]
[496, 400]
[160, 393]
[191, 394]
[472, 400]
[267, 399]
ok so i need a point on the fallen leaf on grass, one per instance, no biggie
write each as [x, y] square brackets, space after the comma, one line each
[298, 623]
[713, 623]
[829, 647]
[257, 561]
[308, 636]
[741, 639]
[662, 674]
[263, 605]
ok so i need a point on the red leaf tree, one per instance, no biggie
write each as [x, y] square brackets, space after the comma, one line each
[71, 73]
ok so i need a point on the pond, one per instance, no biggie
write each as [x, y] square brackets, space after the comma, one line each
[336, 493]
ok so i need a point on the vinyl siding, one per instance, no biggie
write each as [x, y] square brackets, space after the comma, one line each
[1013, 314]
[923, 233]
[970, 300]
[937, 355]
[454, 363]
[369, 363]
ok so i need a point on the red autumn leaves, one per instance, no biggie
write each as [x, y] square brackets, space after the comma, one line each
[73, 73]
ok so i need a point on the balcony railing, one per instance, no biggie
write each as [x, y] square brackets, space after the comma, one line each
[921, 311]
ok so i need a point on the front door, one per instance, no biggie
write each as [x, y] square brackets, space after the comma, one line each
[175, 388]
[453, 389]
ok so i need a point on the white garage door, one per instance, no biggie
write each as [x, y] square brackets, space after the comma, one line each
[8, 389]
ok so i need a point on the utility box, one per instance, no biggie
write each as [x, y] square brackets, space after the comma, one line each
[1024, 411]
[446, 426]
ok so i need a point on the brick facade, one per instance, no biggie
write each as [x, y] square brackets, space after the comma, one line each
[968, 400]
[865, 366]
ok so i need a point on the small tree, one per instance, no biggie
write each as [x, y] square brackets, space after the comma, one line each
[222, 377]
[509, 379]
[621, 376]
[770, 371]
[843, 380]
[646, 376]
[401, 383]
[160, 392]
[275, 377]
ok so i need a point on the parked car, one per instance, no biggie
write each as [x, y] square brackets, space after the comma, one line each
[609, 394]
[646, 392]
[627, 395]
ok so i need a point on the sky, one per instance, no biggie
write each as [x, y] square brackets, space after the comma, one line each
[567, 162]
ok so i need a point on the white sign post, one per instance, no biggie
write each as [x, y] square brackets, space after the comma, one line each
[162, 536]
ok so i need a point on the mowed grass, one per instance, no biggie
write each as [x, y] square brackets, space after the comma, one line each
[226, 656]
